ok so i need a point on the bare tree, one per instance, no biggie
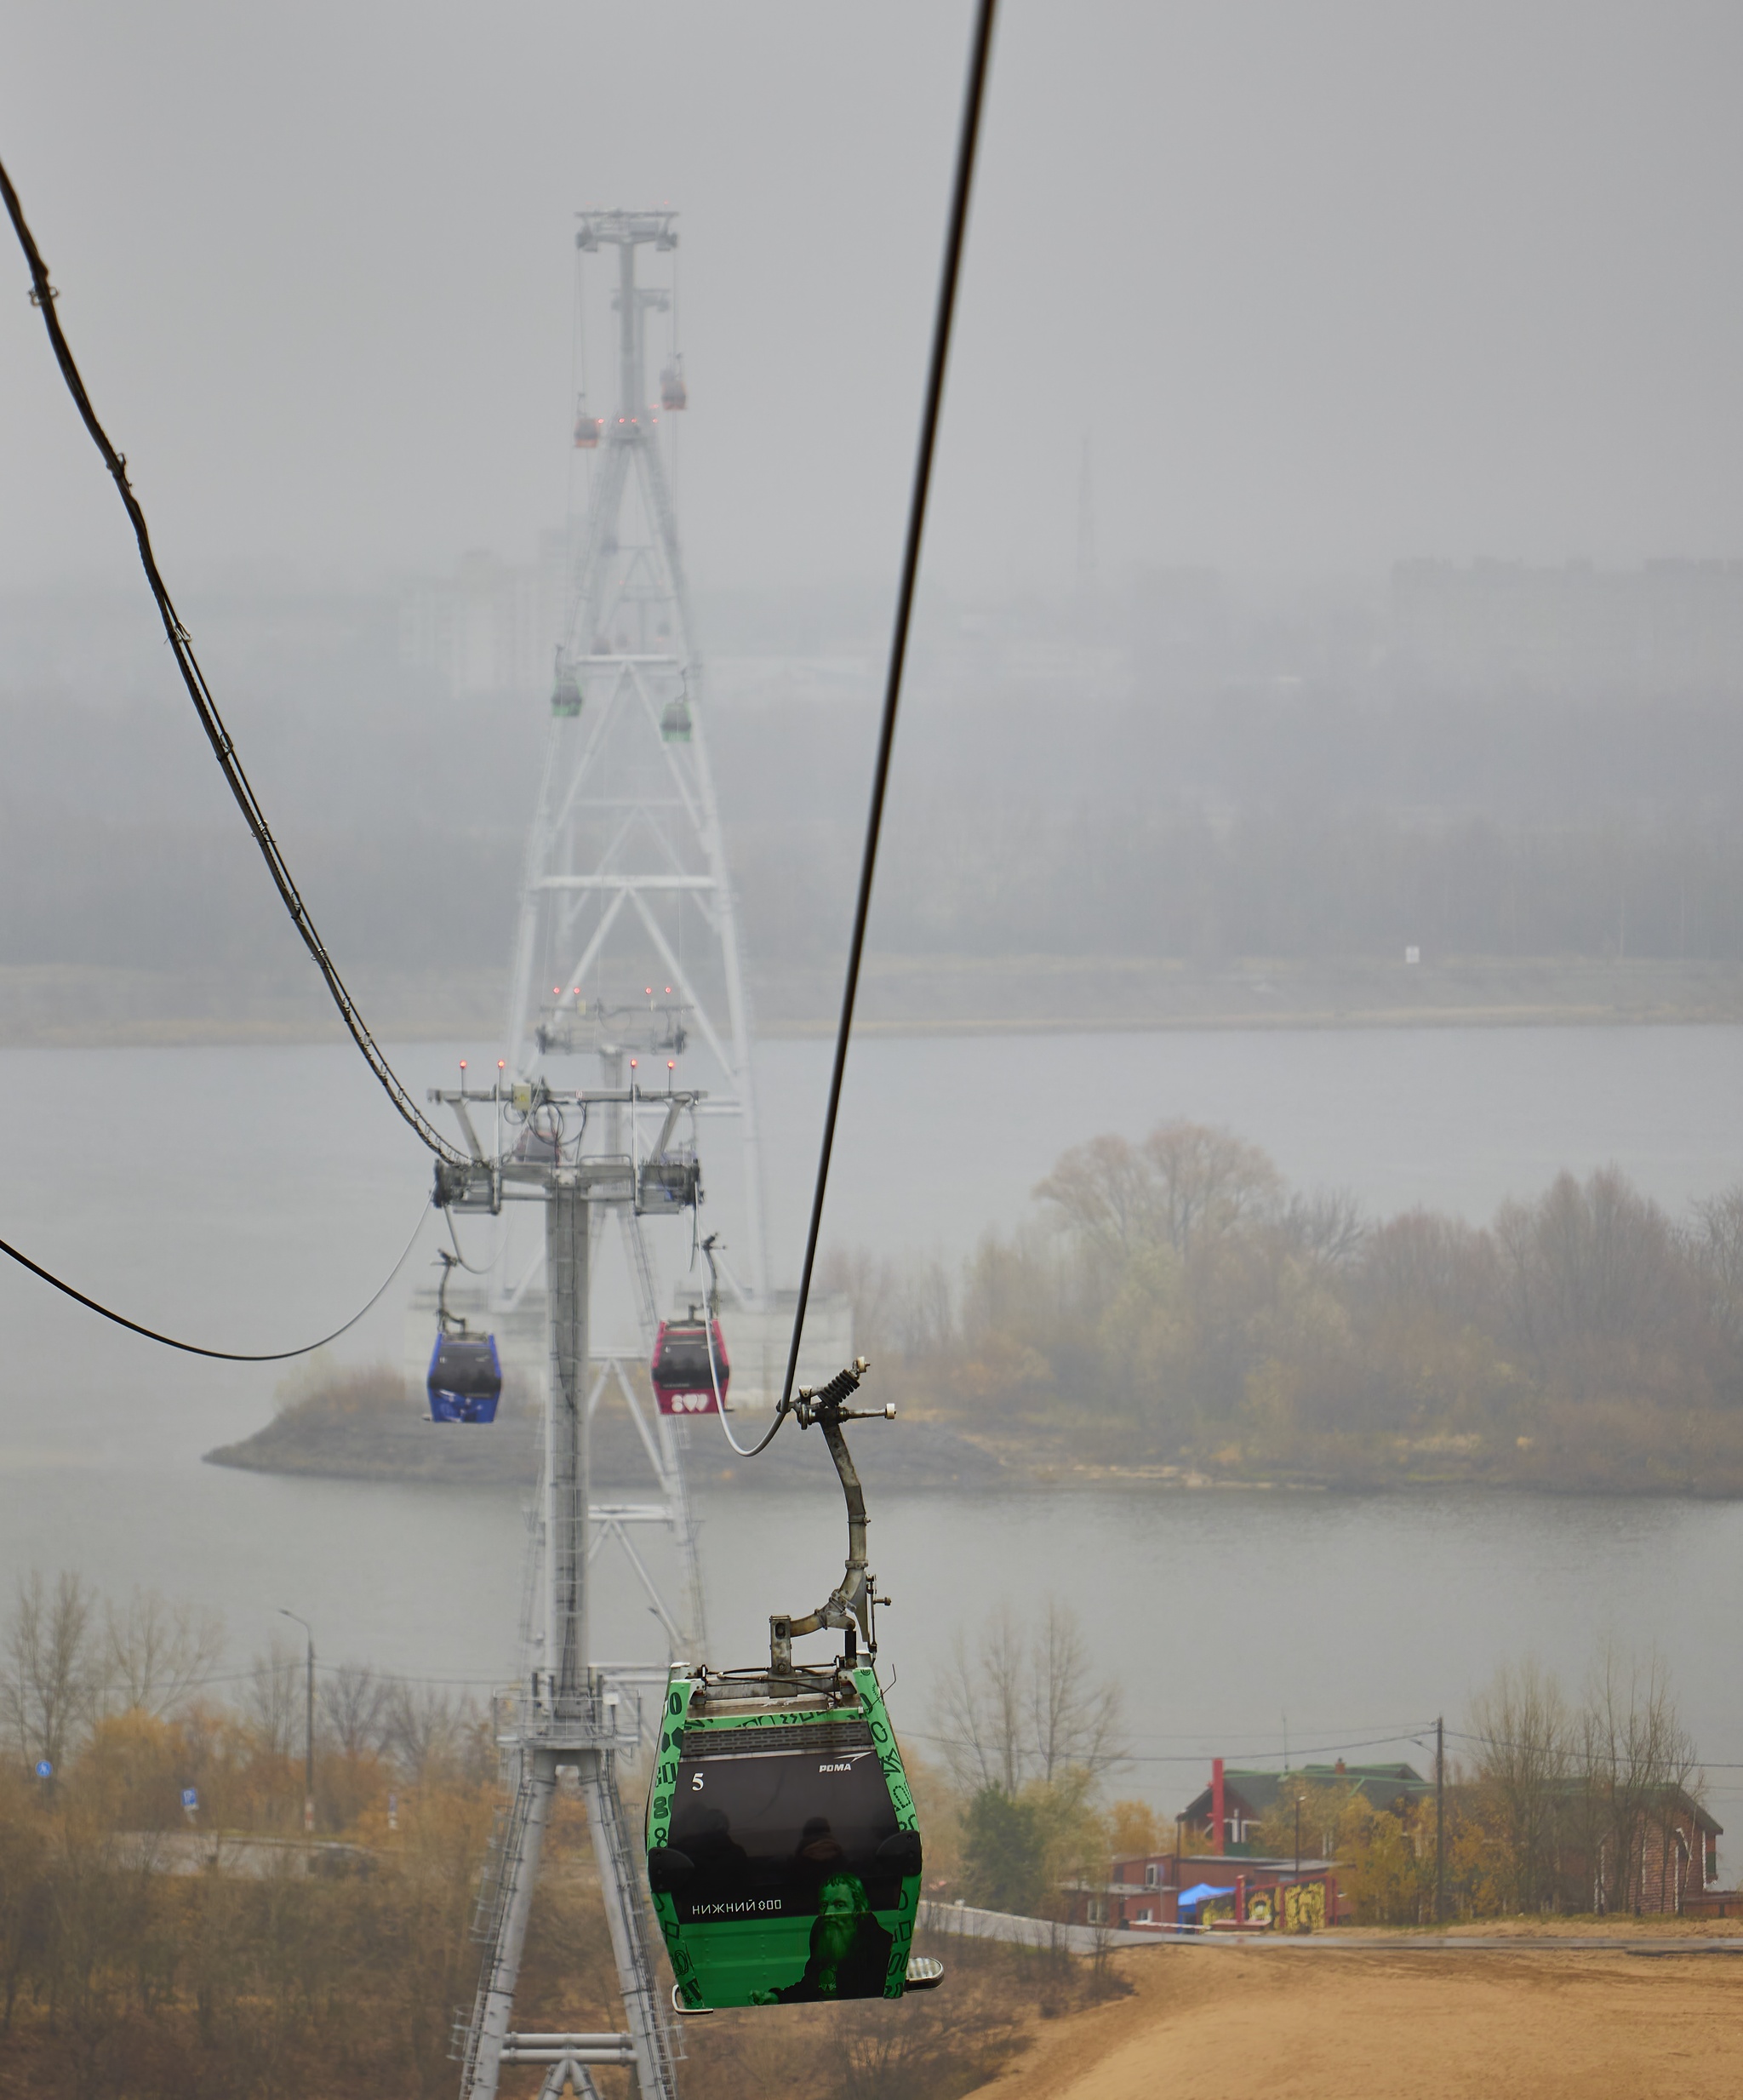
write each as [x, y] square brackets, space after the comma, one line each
[925, 1307]
[1208, 1183]
[427, 1728]
[981, 1704]
[1592, 1268]
[868, 1282]
[1719, 1244]
[1073, 1721]
[1104, 1192]
[1421, 1262]
[1020, 1706]
[1525, 1744]
[1636, 1759]
[1327, 1228]
[51, 1670]
[909, 1307]
[156, 1654]
[355, 1709]
[1187, 1183]
[274, 1698]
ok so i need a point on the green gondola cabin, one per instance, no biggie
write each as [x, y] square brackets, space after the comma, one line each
[783, 1847]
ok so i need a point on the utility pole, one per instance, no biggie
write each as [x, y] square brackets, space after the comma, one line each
[308, 1722]
[1440, 1821]
[1300, 1798]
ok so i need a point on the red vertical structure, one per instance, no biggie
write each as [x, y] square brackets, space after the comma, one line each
[1219, 1827]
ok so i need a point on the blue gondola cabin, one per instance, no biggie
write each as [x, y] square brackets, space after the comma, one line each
[466, 1378]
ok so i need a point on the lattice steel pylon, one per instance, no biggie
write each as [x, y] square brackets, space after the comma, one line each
[626, 896]
[627, 951]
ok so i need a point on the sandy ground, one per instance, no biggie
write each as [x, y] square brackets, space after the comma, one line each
[1205, 2024]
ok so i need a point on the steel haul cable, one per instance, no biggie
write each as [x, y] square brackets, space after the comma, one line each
[43, 295]
[974, 100]
[193, 1348]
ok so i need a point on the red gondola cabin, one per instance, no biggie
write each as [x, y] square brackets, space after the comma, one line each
[684, 1381]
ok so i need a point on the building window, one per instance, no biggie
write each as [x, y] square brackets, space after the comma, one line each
[1149, 1876]
[1144, 1915]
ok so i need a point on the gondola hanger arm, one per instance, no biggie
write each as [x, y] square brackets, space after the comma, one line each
[849, 1604]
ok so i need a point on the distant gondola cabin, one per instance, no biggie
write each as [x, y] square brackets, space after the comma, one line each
[466, 1378]
[684, 1381]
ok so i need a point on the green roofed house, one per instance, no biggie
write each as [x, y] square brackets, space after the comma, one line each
[1237, 1800]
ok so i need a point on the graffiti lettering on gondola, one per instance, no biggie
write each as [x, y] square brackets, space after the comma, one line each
[712, 1725]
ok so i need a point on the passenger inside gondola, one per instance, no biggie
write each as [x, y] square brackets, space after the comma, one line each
[717, 1863]
[816, 1857]
[849, 1955]
[765, 1832]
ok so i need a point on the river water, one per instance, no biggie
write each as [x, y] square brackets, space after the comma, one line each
[247, 1197]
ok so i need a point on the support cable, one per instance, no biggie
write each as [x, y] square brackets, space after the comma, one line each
[43, 295]
[193, 1348]
[974, 98]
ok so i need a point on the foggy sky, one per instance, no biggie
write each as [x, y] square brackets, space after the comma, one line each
[1329, 283]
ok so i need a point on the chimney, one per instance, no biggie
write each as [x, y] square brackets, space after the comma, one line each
[1219, 1828]
[1340, 1767]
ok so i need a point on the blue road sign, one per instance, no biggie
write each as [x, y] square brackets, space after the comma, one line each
[190, 1797]
[44, 1769]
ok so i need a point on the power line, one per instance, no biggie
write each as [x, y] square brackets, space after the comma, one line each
[1180, 1757]
[1594, 1760]
[973, 98]
[43, 296]
[194, 1349]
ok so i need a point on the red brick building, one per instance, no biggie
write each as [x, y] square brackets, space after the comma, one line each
[1656, 1858]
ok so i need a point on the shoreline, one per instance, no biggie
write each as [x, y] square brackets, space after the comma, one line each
[939, 1462]
[65, 1006]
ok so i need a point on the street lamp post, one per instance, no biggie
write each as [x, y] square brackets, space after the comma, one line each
[308, 1722]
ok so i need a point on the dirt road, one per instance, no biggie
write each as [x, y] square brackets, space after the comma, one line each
[1213, 2025]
